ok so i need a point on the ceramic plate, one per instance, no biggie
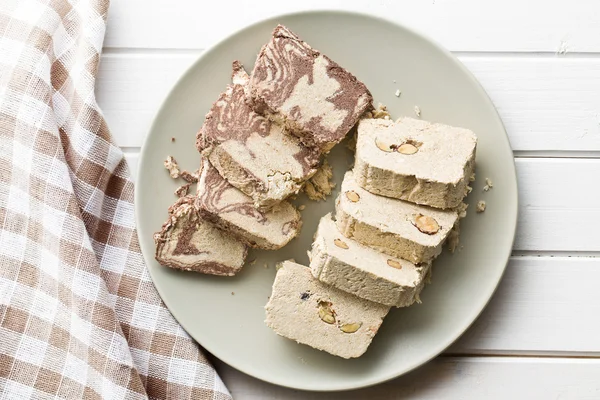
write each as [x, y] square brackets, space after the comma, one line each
[225, 315]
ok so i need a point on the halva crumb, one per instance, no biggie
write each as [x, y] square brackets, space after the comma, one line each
[418, 111]
[320, 186]
[171, 165]
[182, 190]
[190, 177]
[488, 185]
[481, 206]
[380, 112]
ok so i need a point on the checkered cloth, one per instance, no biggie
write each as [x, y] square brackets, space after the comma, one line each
[79, 316]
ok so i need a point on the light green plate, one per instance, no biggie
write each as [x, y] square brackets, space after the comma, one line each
[386, 57]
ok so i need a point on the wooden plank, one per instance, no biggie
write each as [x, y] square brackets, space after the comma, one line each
[548, 105]
[451, 378]
[460, 25]
[543, 306]
[131, 88]
[557, 199]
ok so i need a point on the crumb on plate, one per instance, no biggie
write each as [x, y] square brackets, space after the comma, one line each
[171, 165]
[481, 206]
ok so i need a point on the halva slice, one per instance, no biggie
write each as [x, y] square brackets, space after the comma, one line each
[415, 160]
[305, 310]
[233, 211]
[303, 89]
[367, 273]
[395, 227]
[254, 154]
[190, 243]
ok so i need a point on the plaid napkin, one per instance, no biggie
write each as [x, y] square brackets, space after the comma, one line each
[79, 315]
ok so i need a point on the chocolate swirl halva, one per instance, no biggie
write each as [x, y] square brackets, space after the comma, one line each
[254, 154]
[190, 243]
[233, 211]
[303, 89]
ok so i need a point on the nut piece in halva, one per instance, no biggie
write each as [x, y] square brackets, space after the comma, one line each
[352, 196]
[426, 224]
[326, 313]
[340, 243]
[407, 149]
[350, 328]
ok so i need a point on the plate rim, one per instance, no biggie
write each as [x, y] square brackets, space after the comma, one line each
[309, 13]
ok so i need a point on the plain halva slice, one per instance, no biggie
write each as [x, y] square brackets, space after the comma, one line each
[415, 160]
[395, 227]
[233, 211]
[367, 273]
[305, 310]
[306, 91]
[190, 243]
[255, 155]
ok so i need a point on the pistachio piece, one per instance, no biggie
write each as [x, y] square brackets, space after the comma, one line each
[352, 196]
[341, 244]
[326, 314]
[394, 264]
[426, 224]
[408, 149]
[350, 328]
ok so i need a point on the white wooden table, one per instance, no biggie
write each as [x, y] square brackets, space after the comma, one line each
[539, 60]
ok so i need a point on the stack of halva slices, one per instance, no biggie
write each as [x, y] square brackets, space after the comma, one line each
[397, 208]
[263, 139]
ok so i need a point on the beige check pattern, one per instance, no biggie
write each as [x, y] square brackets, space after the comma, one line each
[79, 315]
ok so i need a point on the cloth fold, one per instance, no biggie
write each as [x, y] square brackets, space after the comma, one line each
[79, 315]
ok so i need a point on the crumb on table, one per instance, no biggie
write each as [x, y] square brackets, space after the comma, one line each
[301, 207]
[398, 92]
[418, 111]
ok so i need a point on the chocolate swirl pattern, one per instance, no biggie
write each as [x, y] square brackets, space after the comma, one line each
[247, 149]
[316, 97]
[217, 196]
[233, 211]
[188, 242]
[231, 118]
